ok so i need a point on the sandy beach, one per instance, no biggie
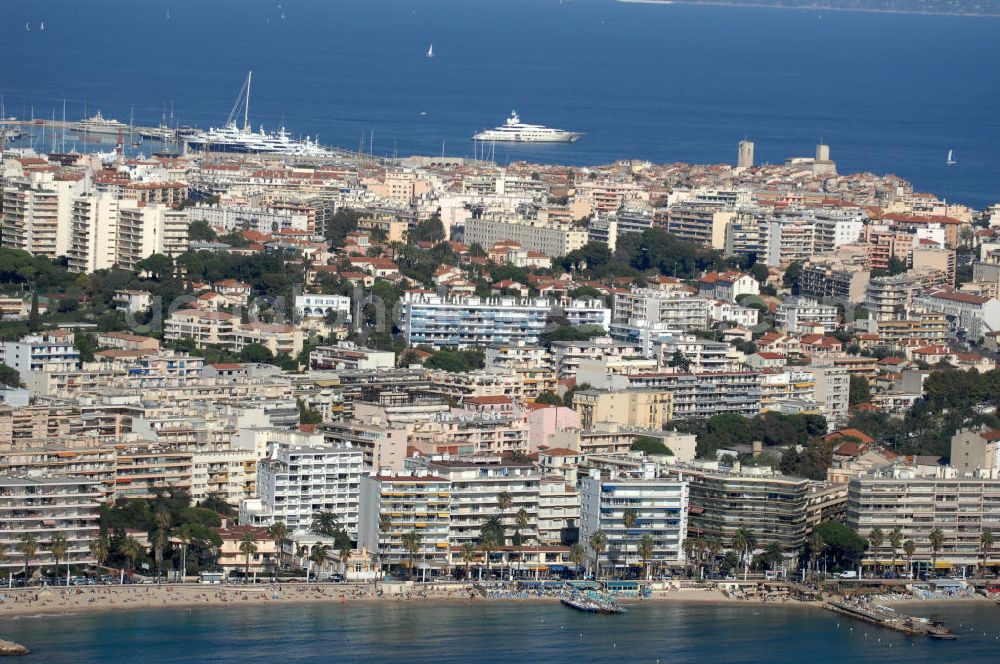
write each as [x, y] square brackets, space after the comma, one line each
[77, 599]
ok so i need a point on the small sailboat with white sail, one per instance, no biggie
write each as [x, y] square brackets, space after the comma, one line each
[950, 161]
[430, 50]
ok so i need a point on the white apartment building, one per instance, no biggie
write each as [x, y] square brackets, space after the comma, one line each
[37, 212]
[963, 506]
[347, 356]
[567, 355]
[660, 507]
[245, 217]
[476, 487]
[702, 354]
[970, 316]
[835, 227]
[396, 504]
[54, 350]
[727, 286]
[832, 392]
[228, 474]
[93, 233]
[466, 322]
[700, 222]
[586, 311]
[218, 328]
[727, 312]
[549, 238]
[204, 327]
[277, 338]
[319, 305]
[787, 240]
[890, 298]
[471, 434]
[795, 312]
[649, 309]
[297, 482]
[147, 229]
[45, 507]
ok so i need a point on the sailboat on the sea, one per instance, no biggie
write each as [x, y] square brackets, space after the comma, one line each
[951, 158]
[42, 26]
[430, 50]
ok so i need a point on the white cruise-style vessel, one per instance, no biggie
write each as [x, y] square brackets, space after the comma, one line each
[233, 138]
[515, 131]
[98, 124]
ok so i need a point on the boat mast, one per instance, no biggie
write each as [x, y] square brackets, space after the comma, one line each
[246, 107]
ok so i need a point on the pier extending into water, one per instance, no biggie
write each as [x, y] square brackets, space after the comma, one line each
[166, 136]
[889, 619]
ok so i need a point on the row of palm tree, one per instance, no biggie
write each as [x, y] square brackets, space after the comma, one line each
[28, 546]
[877, 538]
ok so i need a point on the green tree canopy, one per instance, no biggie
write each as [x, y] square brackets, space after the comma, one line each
[650, 445]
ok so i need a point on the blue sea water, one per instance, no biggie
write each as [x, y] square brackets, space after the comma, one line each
[891, 93]
[441, 633]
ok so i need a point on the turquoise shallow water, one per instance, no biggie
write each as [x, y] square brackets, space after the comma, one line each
[888, 92]
[498, 632]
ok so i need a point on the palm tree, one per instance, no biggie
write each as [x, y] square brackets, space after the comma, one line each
[936, 539]
[909, 548]
[895, 541]
[700, 546]
[131, 549]
[714, 547]
[28, 547]
[303, 555]
[317, 555]
[985, 545]
[160, 536]
[184, 535]
[744, 542]
[99, 549]
[577, 554]
[774, 555]
[384, 526]
[629, 519]
[688, 547]
[520, 521]
[248, 547]
[324, 523]
[468, 555]
[278, 532]
[411, 544]
[488, 543]
[59, 546]
[491, 537]
[645, 549]
[599, 543]
[875, 539]
[345, 554]
[816, 546]
[3, 552]
[504, 501]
